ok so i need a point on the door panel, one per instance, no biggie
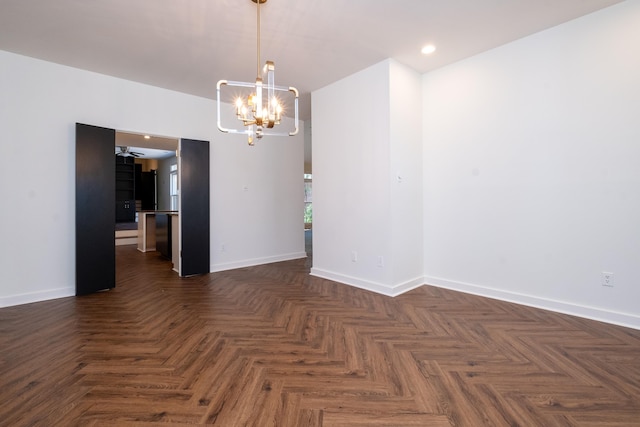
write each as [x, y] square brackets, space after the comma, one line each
[95, 213]
[194, 207]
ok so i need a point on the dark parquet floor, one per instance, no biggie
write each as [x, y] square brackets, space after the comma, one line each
[271, 346]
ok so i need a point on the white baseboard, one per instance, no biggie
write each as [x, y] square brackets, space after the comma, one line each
[593, 313]
[256, 261]
[36, 297]
[380, 288]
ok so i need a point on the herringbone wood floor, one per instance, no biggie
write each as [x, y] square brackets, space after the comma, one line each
[272, 346]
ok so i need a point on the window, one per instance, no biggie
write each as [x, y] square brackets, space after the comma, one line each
[173, 187]
[308, 210]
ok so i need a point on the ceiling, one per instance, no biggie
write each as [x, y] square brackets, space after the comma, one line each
[148, 146]
[188, 45]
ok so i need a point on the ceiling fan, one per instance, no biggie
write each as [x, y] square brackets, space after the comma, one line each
[125, 152]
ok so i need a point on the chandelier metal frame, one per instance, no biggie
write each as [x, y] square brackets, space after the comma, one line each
[262, 110]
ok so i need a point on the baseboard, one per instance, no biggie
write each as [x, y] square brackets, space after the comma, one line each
[256, 261]
[36, 297]
[380, 288]
[592, 313]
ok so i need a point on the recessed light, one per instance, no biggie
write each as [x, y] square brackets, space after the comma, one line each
[147, 137]
[428, 49]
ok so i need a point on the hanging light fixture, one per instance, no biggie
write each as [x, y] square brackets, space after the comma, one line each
[262, 110]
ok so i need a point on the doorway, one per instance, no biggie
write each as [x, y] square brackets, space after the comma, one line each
[96, 198]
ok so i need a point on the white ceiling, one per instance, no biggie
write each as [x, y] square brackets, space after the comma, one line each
[153, 147]
[188, 45]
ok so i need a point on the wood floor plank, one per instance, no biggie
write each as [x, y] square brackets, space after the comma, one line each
[272, 346]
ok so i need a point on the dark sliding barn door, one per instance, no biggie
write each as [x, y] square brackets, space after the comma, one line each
[194, 207]
[95, 209]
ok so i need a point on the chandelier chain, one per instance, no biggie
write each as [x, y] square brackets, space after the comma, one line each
[258, 52]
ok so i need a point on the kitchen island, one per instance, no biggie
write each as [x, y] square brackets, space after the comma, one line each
[159, 231]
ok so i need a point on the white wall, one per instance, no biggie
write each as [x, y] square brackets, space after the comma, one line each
[532, 169]
[351, 178]
[40, 103]
[366, 224]
[308, 162]
[260, 201]
[405, 167]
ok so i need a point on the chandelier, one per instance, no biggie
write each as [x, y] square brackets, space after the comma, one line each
[262, 110]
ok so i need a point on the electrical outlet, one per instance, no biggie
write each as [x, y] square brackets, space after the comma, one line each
[354, 256]
[223, 247]
[607, 279]
[380, 261]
